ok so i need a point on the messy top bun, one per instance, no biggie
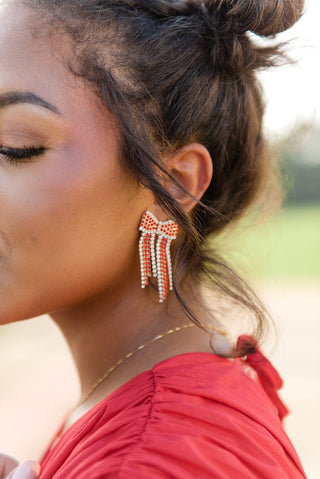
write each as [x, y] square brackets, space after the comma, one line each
[263, 17]
[266, 18]
[176, 71]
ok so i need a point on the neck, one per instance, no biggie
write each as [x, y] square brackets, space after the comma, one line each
[107, 328]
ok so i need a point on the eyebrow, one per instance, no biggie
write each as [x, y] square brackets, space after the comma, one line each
[16, 96]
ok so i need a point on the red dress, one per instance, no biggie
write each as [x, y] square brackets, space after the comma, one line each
[195, 415]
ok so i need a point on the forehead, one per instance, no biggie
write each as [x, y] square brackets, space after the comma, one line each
[25, 51]
[31, 59]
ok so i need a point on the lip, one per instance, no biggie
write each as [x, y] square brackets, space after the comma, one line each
[5, 248]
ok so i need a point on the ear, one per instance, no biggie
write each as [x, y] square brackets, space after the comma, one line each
[191, 166]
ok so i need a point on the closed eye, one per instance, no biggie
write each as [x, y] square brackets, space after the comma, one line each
[20, 155]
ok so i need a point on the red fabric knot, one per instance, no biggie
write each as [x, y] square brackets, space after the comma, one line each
[268, 376]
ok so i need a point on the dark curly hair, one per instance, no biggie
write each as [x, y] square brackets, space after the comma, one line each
[173, 72]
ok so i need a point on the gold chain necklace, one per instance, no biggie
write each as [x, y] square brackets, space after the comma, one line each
[127, 356]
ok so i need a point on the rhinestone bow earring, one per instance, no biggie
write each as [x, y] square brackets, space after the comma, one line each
[155, 260]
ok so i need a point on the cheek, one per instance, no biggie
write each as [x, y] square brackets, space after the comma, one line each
[70, 227]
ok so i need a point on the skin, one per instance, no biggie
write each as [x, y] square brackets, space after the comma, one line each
[69, 218]
[10, 469]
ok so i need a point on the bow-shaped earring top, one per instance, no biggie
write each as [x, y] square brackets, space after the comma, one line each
[150, 224]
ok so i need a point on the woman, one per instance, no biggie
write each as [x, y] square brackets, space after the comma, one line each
[132, 119]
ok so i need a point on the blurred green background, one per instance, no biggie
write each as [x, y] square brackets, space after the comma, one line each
[285, 245]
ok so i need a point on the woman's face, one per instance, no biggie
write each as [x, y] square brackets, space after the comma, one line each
[68, 216]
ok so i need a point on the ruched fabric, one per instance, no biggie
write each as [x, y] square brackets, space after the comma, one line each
[195, 415]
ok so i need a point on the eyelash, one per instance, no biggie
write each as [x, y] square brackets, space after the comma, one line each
[20, 155]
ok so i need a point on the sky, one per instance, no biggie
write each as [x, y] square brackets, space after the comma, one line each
[292, 92]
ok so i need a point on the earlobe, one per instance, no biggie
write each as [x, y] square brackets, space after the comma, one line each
[191, 166]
